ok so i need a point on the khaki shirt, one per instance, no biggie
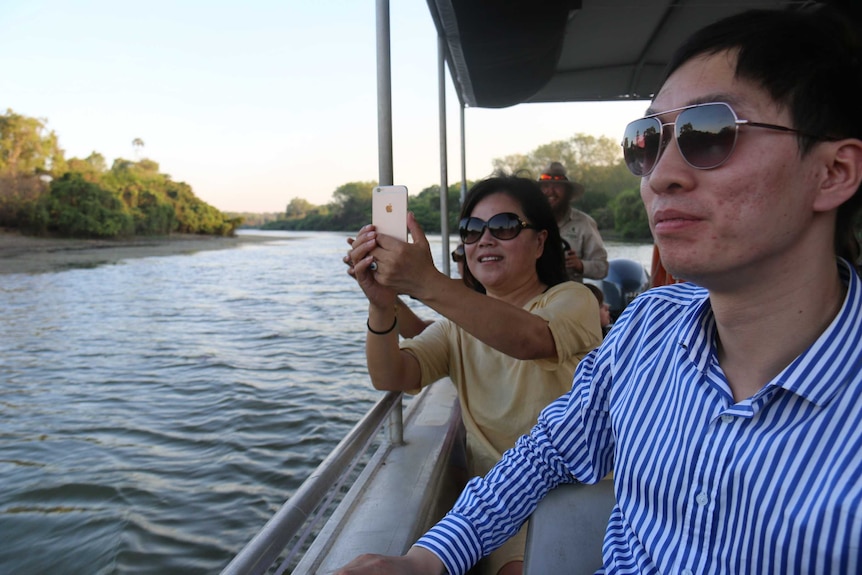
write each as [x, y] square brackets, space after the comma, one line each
[581, 233]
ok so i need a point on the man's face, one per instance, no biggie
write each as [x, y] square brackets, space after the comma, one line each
[753, 214]
[556, 194]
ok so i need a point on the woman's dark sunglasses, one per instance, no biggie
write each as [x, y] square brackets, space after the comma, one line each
[705, 135]
[503, 226]
[458, 254]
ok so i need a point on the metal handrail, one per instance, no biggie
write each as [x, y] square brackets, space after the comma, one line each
[262, 551]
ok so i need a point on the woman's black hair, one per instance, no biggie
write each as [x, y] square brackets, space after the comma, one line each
[550, 266]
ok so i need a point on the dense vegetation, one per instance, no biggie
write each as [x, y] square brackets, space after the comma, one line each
[611, 197]
[41, 192]
[255, 220]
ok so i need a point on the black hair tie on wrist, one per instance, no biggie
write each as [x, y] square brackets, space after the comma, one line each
[375, 332]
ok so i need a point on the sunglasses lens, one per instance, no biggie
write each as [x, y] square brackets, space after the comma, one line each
[641, 145]
[504, 226]
[706, 135]
[471, 230]
[458, 254]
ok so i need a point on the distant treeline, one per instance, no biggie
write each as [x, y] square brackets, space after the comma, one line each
[351, 209]
[611, 197]
[42, 192]
[255, 220]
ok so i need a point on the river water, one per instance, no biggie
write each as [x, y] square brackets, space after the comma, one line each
[155, 413]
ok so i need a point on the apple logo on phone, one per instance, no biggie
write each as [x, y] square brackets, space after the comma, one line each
[388, 208]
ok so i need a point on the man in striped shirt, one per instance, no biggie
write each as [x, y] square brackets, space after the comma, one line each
[729, 408]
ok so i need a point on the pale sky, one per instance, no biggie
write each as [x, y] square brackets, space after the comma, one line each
[256, 102]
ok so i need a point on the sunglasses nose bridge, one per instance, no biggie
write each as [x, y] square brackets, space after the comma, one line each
[486, 229]
[668, 135]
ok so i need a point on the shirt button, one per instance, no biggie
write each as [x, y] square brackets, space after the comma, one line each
[727, 418]
[702, 498]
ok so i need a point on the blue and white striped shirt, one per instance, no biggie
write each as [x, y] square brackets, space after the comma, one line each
[772, 484]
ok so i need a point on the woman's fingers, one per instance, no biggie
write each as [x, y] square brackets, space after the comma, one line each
[362, 247]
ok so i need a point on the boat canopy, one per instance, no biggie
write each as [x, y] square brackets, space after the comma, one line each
[505, 53]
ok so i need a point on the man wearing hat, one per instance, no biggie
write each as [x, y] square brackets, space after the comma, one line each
[586, 256]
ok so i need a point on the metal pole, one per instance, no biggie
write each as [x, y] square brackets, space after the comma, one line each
[463, 156]
[384, 97]
[384, 153]
[444, 176]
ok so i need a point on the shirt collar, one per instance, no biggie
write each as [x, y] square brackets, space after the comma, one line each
[835, 357]
[819, 372]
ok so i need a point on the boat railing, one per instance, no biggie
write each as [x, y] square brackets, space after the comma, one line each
[264, 549]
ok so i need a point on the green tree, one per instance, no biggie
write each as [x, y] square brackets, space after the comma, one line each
[578, 151]
[426, 207]
[26, 145]
[78, 208]
[630, 217]
[298, 208]
[351, 208]
[18, 193]
[87, 199]
[153, 215]
[160, 205]
[596, 163]
[137, 146]
[92, 167]
[28, 151]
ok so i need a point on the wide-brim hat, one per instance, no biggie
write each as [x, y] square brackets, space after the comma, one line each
[556, 173]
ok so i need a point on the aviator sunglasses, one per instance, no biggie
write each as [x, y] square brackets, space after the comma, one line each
[705, 135]
[503, 226]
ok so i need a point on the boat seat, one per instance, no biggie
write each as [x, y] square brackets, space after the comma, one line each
[567, 529]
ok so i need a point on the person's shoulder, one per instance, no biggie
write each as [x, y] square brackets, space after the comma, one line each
[661, 310]
[577, 214]
[565, 295]
[567, 285]
[567, 288]
[678, 296]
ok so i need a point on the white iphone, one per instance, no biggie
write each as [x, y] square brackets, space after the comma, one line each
[389, 211]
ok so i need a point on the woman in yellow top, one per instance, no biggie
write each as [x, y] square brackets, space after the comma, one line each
[514, 328]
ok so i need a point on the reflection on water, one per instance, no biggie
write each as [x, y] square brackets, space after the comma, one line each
[154, 414]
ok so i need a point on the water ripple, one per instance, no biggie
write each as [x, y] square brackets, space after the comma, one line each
[155, 413]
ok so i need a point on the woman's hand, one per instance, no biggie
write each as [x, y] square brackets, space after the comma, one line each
[359, 261]
[573, 262]
[407, 268]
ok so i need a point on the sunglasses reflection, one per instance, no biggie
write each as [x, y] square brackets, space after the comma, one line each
[705, 135]
[503, 226]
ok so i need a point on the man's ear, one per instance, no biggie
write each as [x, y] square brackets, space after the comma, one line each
[843, 173]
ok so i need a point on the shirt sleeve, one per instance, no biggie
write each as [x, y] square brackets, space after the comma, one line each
[431, 348]
[573, 318]
[595, 256]
[572, 441]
